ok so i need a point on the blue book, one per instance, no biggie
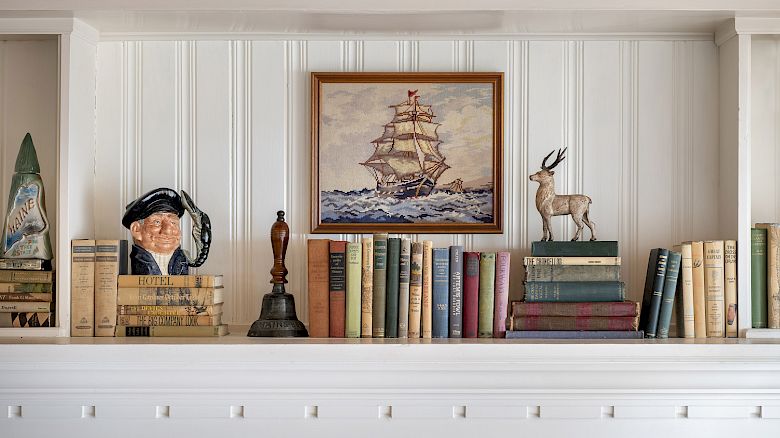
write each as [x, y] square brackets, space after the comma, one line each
[456, 291]
[559, 334]
[441, 293]
[658, 291]
[667, 299]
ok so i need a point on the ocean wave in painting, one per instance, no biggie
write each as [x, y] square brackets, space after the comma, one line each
[441, 206]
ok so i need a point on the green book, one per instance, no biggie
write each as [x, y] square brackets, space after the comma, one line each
[758, 277]
[380, 286]
[487, 280]
[594, 248]
[404, 264]
[354, 271]
[571, 291]
[393, 271]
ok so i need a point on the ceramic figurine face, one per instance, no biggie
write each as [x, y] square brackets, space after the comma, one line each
[159, 233]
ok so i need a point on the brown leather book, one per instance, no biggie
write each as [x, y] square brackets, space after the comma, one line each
[318, 268]
[338, 288]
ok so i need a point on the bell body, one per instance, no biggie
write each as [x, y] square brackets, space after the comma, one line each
[277, 316]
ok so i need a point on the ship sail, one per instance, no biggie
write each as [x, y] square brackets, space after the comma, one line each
[406, 160]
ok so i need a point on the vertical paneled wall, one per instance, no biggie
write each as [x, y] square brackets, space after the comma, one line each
[765, 129]
[228, 121]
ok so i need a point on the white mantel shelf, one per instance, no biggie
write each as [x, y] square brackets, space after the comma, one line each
[385, 387]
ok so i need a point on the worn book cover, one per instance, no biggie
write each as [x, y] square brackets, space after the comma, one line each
[730, 286]
[699, 293]
[110, 262]
[441, 291]
[380, 285]
[172, 320]
[501, 294]
[575, 323]
[26, 296]
[404, 272]
[26, 276]
[470, 294]
[126, 309]
[392, 287]
[621, 308]
[170, 296]
[25, 287]
[367, 287]
[487, 284]
[569, 291]
[337, 281]
[26, 319]
[415, 290]
[651, 327]
[593, 248]
[572, 261]
[172, 331]
[758, 277]
[456, 291]
[169, 281]
[686, 278]
[667, 298]
[426, 316]
[772, 273]
[572, 273]
[354, 261]
[318, 268]
[82, 288]
[713, 284]
[24, 306]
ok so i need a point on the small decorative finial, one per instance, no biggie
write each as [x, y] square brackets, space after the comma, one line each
[280, 215]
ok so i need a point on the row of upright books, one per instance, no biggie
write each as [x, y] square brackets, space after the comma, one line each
[765, 275]
[26, 293]
[699, 280]
[389, 287]
[573, 290]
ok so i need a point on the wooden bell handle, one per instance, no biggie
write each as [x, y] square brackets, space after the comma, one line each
[280, 236]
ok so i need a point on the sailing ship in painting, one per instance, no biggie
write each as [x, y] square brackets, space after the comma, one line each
[407, 162]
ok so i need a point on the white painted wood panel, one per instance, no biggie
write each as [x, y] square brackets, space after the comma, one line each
[636, 115]
[766, 129]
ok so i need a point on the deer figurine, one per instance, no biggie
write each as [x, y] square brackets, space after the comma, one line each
[549, 204]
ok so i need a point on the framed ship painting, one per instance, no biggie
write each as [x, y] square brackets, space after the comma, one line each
[406, 152]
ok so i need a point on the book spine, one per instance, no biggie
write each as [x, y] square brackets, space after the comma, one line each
[550, 294]
[647, 295]
[487, 283]
[26, 319]
[337, 281]
[758, 277]
[125, 309]
[730, 286]
[169, 281]
[470, 294]
[415, 290]
[393, 272]
[354, 259]
[575, 323]
[24, 306]
[380, 286]
[25, 277]
[594, 248]
[82, 309]
[404, 271]
[713, 283]
[572, 261]
[26, 296]
[441, 284]
[164, 296]
[110, 262]
[319, 293]
[501, 294]
[168, 331]
[686, 272]
[773, 275]
[625, 308]
[573, 334]
[426, 316]
[456, 291]
[572, 273]
[6, 288]
[699, 294]
[651, 328]
[170, 320]
[26, 264]
[667, 299]
[367, 284]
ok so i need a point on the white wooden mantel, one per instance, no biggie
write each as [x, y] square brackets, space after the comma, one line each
[170, 387]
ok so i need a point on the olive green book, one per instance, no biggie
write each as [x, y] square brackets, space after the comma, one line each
[758, 277]
[354, 260]
[380, 286]
[487, 280]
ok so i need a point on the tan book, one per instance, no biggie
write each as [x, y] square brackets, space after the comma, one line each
[427, 291]
[686, 273]
[367, 292]
[730, 286]
[168, 331]
[699, 294]
[713, 284]
[82, 288]
[772, 273]
[170, 281]
[169, 296]
[571, 261]
[319, 298]
[110, 262]
[127, 309]
[415, 290]
[173, 320]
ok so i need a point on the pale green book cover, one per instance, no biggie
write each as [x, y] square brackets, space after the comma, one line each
[354, 272]
[487, 280]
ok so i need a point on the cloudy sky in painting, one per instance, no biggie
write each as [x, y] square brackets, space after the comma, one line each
[354, 114]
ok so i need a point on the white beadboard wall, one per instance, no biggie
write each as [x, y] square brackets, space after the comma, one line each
[765, 138]
[228, 121]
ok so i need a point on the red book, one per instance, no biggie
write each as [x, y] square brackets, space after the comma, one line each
[575, 322]
[318, 267]
[501, 294]
[470, 294]
[338, 288]
[622, 308]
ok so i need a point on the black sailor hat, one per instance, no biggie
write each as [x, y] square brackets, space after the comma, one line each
[155, 201]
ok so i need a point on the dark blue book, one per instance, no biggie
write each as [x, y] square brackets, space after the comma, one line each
[441, 293]
[594, 248]
[393, 273]
[574, 291]
[599, 334]
[456, 291]
[667, 299]
[658, 291]
[647, 296]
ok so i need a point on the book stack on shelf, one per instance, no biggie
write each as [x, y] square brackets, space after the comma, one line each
[696, 279]
[170, 305]
[573, 290]
[391, 287]
[26, 293]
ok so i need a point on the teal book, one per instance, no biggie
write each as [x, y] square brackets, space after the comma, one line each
[594, 248]
[667, 298]
[354, 272]
[572, 273]
[487, 281]
[404, 271]
[572, 291]
[651, 329]
[441, 292]
[393, 272]
[380, 286]
[758, 299]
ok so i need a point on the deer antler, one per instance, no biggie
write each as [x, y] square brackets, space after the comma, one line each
[560, 157]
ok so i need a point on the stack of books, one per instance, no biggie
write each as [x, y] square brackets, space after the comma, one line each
[170, 305]
[26, 293]
[573, 290]
[390, 287]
